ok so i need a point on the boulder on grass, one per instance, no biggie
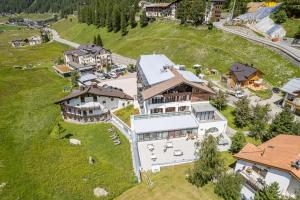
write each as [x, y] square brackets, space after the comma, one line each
[100, 192]
[75, 142]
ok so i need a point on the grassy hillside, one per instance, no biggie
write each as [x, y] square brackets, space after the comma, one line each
[291, 26]
[185, 45]
[34, 165]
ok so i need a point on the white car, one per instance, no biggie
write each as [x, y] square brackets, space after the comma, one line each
[239, 94]
[113, 75]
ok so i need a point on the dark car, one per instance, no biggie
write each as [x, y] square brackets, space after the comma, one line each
[107, 76]
[275, 90]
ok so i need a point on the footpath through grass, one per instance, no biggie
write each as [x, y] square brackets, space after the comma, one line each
[35, 165]
[185, 45]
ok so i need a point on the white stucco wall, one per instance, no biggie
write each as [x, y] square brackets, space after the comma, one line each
[281, 177]
[287, 183]
[107, 102]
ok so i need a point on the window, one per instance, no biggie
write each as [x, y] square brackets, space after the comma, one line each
[68, 102]
[104, 102]
[95, 98]
[183, 108]
[170, 109]
[82, 99]
[91, 111]
[112, 99]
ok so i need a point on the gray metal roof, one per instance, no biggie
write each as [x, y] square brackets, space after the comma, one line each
[163, 122]
[190, 76]
[153, 65]
[87, 77]
[292, 86]
[203, 107]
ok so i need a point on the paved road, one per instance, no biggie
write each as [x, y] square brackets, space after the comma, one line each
[292, 52]
[117, 59]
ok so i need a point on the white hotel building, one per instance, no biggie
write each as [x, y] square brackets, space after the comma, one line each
[277, 160]
[176, 114]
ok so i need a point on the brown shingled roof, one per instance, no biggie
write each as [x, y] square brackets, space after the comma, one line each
[97, 90]
[278, 152]
[173, 82]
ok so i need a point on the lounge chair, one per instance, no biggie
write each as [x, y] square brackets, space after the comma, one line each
[150, 147]
[114, 137]
[117, 142]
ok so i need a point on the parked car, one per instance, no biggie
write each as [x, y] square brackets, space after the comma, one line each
[275, 90]
[107, 76]
[239, 94]
[101, 76]
[113, 75]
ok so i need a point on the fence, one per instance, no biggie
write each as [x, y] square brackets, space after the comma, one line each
[127, 132]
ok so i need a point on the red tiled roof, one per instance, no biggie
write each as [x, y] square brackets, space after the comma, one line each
[279, 152]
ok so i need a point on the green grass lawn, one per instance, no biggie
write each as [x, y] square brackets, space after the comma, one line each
[263, 94]
[185, 45]
[171, 184]
[228, 114]
[291, 26]
[125, 113]
[35, 165]
[32, 16]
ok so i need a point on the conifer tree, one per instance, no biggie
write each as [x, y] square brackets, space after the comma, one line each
[99, 41]
[143, 19]
[116, 18]
[124, 24]
[132, 18]
[109, 24]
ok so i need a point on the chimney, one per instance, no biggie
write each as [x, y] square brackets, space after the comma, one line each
[81, 88]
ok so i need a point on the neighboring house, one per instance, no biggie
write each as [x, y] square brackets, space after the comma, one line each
[267, 27]
[35, 40]
[176, 113]
[163, 10]
[244, 75]
[18, 43]
[89, 55]
[143, 4]
[292, 96]
[92, 103]
[277, 160]
[88, 79]
[214, 10]
[63, 70]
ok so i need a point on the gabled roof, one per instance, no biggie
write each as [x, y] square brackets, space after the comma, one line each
[87, 49]
[292, 87]
[279, 153]
[97, 90]
[242, 71]
[171, 83]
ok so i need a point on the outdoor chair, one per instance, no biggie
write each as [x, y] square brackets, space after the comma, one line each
[117, 142]
[114, 137]
[150, 147]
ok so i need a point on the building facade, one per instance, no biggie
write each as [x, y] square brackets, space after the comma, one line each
[92, 103]
[292, 95]
[276, 160]
[176, 113]
[89, 55]
[213, 10]
[163, 10]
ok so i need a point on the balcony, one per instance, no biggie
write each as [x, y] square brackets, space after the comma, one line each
[253, 179]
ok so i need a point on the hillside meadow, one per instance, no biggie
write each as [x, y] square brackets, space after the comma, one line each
[34, 164]
[185, 45]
